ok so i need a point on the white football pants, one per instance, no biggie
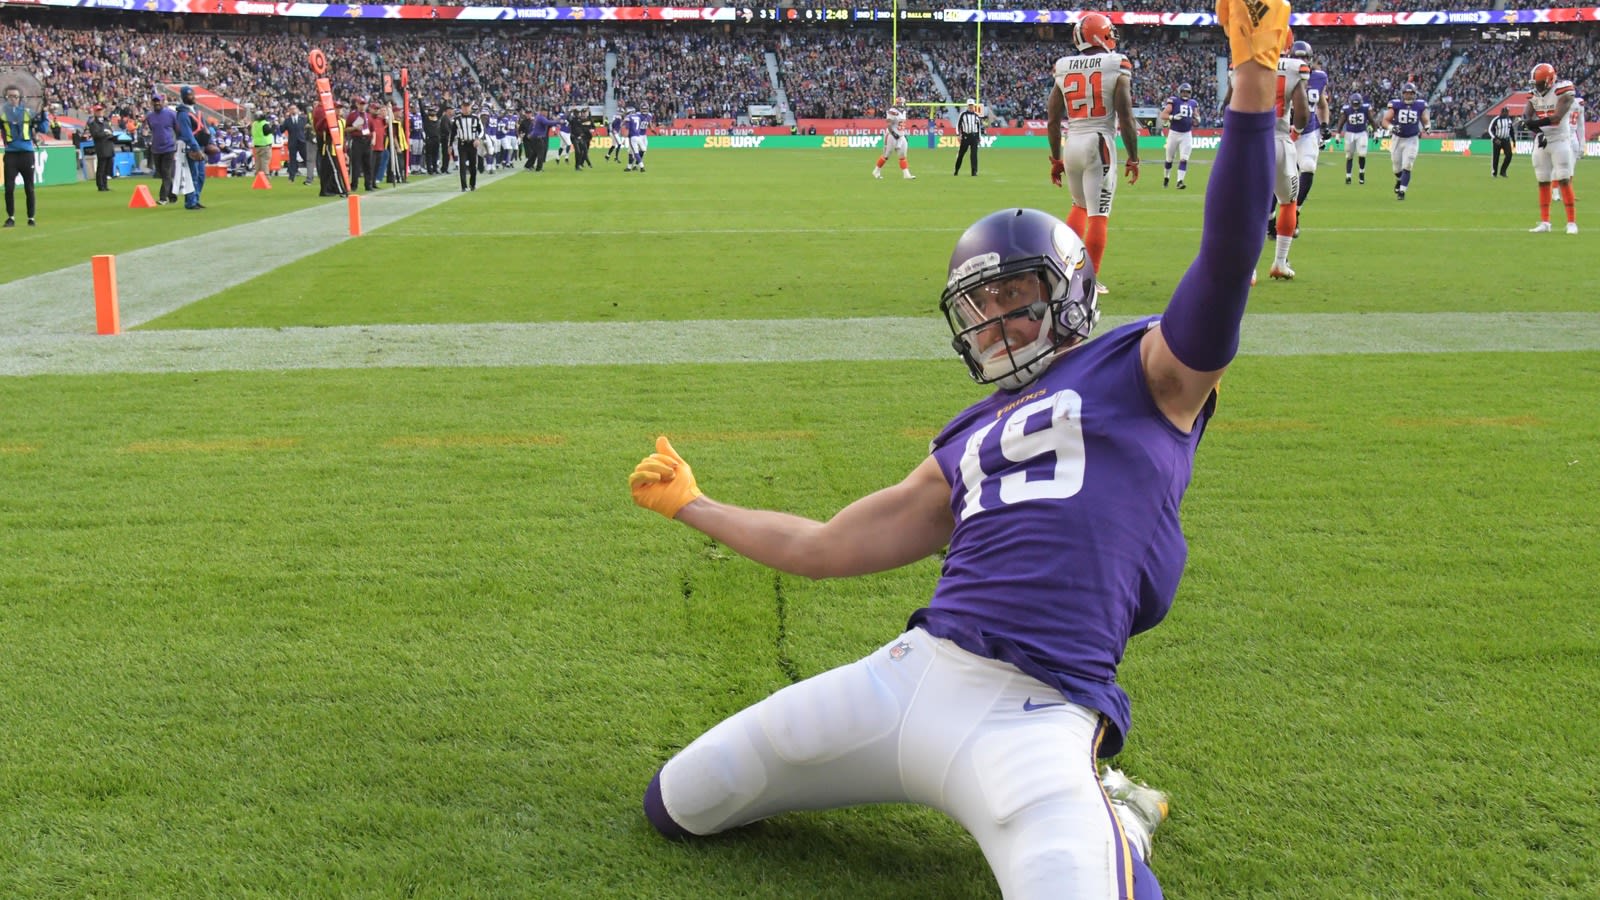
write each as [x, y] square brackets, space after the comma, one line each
[920, 720]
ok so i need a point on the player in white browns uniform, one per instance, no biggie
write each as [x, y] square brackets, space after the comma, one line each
[1575, 120]
[1549, 115]
[1092, 95]
[1293, 111]
[894, 139]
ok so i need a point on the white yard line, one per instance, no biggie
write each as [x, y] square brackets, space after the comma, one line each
[47, 325]
[725, 341]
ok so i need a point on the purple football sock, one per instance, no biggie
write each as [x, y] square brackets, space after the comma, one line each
[656, 811]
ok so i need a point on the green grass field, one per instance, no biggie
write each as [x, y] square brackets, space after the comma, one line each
[401, 632]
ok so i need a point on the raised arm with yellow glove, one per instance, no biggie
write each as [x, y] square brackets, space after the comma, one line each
[663, 481]
[1257, 29]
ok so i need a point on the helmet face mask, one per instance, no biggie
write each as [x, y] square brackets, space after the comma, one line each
[1355, 99]
[1185, 89]
[1020, 291]
[1408, 88]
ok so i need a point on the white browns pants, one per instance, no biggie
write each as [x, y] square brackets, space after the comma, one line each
[894, 146]
[922, 721]
[1286, 182]
[1355, 144]
[1091, 170]
[1308, 150]
[1552, 162]
[1402, 153]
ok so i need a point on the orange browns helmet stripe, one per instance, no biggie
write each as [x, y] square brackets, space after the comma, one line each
[1094, 30]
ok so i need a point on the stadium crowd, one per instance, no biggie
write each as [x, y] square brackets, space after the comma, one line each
[692, 73]
[684, 70]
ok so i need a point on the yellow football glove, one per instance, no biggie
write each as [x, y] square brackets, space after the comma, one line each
[1257, 29]
[662, 481]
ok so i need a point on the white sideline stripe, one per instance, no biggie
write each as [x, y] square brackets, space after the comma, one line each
[154, 281]
[603, 232]
[726, 341]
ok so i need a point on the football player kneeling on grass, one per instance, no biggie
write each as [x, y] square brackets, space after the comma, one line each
[1057, 498]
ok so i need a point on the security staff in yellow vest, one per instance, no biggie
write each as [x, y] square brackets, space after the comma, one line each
[261, 133]
[18, 125]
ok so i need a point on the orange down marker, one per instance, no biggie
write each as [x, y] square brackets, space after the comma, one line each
[355, 215]
[106, 318]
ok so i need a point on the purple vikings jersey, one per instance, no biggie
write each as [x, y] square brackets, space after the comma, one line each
[1316, 86]
[1090, 551]
[1181, 113]
[1407, 117]
[1356, 118]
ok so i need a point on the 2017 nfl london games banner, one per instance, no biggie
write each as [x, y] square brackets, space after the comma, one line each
[817, 13]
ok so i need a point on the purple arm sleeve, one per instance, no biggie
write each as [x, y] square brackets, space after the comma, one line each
[1201, 324]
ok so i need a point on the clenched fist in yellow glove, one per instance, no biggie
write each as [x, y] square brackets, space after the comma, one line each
[662, 481]
[1257, 29]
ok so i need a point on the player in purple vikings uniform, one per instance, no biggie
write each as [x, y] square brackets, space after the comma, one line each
[1057, 498]
[564, 135]
[1178, 116]
[1355, 117]
[1405, 117]
[1308, 145]
[614, 131]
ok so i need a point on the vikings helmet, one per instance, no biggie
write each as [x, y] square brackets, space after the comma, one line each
[984, 297]
[1544, 75]
[1300, 50]
[1355, 99]
[1185, 89]
[1409, 87]
[1094, 30]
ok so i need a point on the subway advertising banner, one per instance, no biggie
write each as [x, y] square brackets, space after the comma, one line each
[1147, 145]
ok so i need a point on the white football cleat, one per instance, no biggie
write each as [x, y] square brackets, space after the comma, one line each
[1252, 277]
[877, 173]
[1572, 228]
[1283, 271]
[1100, 288]
[906, 174]
[1540, 228]
[1140, 808]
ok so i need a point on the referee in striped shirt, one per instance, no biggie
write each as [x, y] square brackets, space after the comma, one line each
[466, 129]
[970, 127]
[1502, 128]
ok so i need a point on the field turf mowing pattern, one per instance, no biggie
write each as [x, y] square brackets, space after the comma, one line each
[387, 632]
